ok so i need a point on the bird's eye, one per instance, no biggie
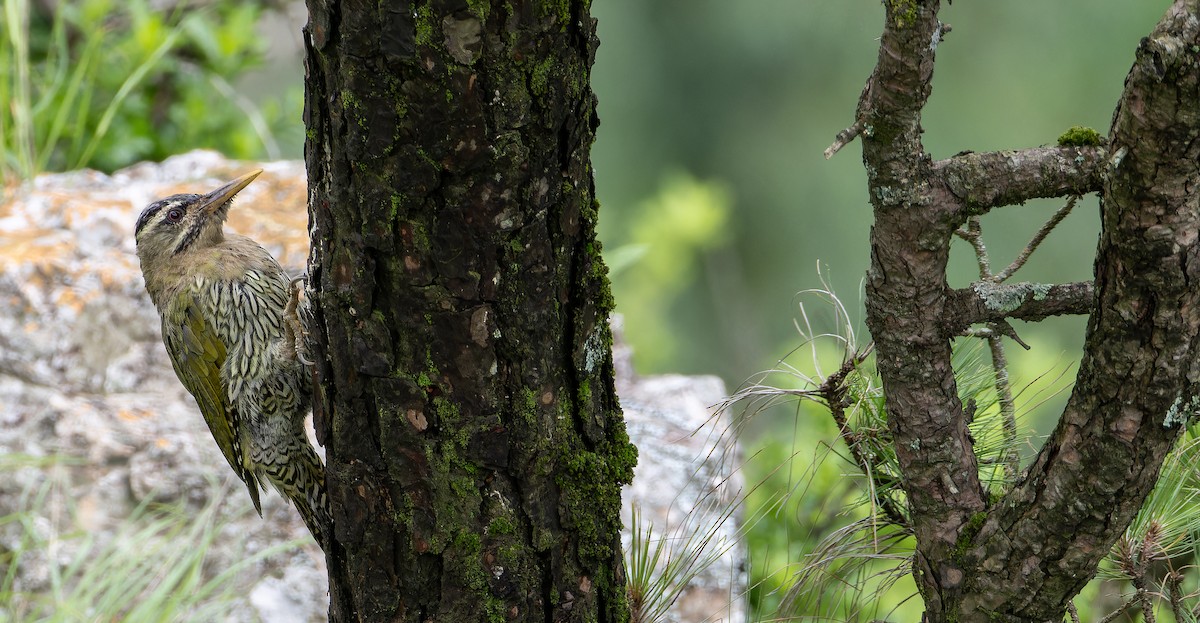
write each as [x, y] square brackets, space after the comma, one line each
[174, 215]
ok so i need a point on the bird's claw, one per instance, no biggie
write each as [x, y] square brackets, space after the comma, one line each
[292, 320]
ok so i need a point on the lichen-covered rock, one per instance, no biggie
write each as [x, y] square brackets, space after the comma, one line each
[84, 377]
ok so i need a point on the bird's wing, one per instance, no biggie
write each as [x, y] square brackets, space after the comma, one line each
[197, 354]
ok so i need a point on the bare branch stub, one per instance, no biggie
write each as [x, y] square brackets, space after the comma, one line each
[843, 138]
[847, 135]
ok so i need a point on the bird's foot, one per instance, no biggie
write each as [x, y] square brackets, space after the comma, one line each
[294, 330]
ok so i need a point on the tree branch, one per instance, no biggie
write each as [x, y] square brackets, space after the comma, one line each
[982, 181]
[915, 217]
[990, 302]
[1075, 613]
[1129, 603]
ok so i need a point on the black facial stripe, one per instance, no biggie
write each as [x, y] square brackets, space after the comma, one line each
[190, 236]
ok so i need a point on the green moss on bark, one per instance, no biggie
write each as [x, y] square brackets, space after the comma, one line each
[903, 12]
[1080, 136]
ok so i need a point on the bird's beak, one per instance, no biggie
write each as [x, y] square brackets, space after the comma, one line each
[213, 201]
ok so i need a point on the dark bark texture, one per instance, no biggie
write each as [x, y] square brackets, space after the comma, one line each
[1022, 557]
[475, 445]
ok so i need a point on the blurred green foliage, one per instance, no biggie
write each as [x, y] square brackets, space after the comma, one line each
[748, 94]
[107, 83]
[669, 235]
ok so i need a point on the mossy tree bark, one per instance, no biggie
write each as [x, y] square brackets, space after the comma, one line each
[1022, 552]
[475, 445]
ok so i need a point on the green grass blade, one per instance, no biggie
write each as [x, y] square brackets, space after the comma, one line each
[127, 87]
[16, 14]
[71, 99]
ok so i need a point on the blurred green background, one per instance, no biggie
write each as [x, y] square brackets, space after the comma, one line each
[746, 95]
[719, 209]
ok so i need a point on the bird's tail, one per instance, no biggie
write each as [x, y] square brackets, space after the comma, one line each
[301, 479]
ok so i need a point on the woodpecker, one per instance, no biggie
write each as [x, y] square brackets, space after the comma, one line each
[231, 326]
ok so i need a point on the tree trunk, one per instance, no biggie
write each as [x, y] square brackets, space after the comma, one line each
[475, 445]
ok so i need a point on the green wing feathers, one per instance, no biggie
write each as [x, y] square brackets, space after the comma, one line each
[197, 355]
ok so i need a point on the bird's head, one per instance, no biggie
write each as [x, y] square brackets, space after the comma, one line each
[172, 227]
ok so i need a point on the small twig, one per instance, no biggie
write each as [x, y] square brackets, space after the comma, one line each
[1147, 607]
[1111, 616]
[1001, 327]
[997, 329]
[1174, 582]
[1137, 577]
[1008, 409]
[973, 234]
[1073, 612]
[1037, 240]
[844, 138]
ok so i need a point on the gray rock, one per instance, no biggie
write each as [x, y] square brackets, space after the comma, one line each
[686, 487]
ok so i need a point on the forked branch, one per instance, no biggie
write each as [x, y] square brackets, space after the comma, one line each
[1024, 558]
